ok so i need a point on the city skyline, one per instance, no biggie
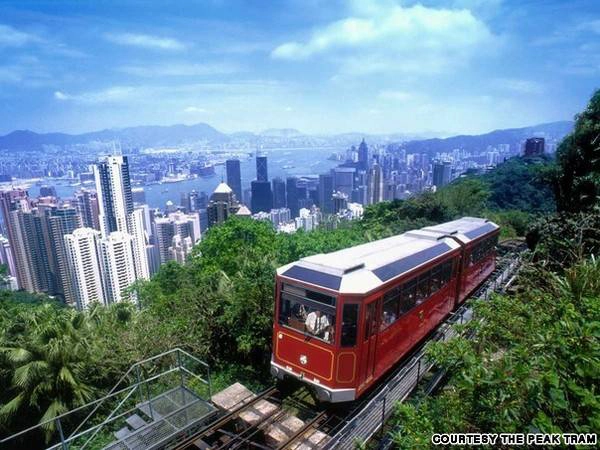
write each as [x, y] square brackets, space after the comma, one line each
[456, 66]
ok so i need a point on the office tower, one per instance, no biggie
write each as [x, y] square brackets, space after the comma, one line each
[534, 147]
[262, 197]
[262, 173]
[340, 202]
[115, 199]
[222, 204]
[247, 196]
[138, 195]
[389, 191]
[234, 177]
[61, 221]
[180, 249]
[118, 267]
[292, 195]
[87, 205]
[442, 173]
[325, 192]
[278, 193]
[139, 242]
[47, 191]
[343, 179]
[375, 185]
[84, 264]
[363, 155]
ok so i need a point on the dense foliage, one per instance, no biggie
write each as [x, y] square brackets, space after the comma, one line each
[577, 180]
[533, 366]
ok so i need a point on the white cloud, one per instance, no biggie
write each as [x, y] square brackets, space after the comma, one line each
[11, 37]
[195, 110]
[395, 95]
[380, 37]
[175, 69]
[145, 41]
[58, 95]
[518, 86]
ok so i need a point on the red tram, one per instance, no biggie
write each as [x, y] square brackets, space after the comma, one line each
[343, 319]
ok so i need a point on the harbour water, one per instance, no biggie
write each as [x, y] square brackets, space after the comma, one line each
[281, 163]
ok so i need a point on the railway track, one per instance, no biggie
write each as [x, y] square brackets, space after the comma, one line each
[315, 426]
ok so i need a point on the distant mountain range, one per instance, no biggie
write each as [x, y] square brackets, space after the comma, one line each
[153, 136]
[552, 130]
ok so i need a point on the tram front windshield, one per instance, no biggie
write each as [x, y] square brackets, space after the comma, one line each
[308, 312]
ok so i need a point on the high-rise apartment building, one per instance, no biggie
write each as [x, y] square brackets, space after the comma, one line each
[87, 205]
[234, 177]
[81, 249]
[118, 268]
[115, 198]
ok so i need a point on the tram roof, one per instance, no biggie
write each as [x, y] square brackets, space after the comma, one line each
[466, 229]
[363, 268]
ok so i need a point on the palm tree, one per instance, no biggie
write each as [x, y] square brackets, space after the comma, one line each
[47, 367]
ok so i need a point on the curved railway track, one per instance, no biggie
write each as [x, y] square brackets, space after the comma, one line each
[319, 424]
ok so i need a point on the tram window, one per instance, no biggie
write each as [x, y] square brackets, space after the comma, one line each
[349, 325]
[307, 316]
[408, 297]
[423, 288]
[436, 281]
[446, 272]
[391, 304]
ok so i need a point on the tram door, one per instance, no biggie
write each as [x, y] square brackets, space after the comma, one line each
[371, 329]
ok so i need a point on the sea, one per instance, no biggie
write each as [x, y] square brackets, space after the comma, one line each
[282, 163]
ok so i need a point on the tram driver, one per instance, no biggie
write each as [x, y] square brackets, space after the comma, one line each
[318, 324]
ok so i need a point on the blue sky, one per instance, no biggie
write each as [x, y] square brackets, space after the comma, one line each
[453, 66]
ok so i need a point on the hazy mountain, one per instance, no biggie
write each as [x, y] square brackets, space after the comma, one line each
[142, 135]
[553, 130]
[281, 132]
[145, 136]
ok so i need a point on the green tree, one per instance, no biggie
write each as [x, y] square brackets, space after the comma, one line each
[577, 180]
[48, 367]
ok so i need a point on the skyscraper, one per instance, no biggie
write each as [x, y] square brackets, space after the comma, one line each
[363, 155]
[87, 206]
[292, 195]
[262, 197]
[116, 210]
[222, 204]
[325, 192]
[262, 174]
[114, 194]
[11, 201]
[534, 146]
[118, 268]
[375, 185]
[278, 193]
[234, 177]
[60, 222]
[442, 173]
[84, 265]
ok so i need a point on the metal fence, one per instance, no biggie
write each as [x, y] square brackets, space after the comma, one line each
[372, 417]
[171, 390]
